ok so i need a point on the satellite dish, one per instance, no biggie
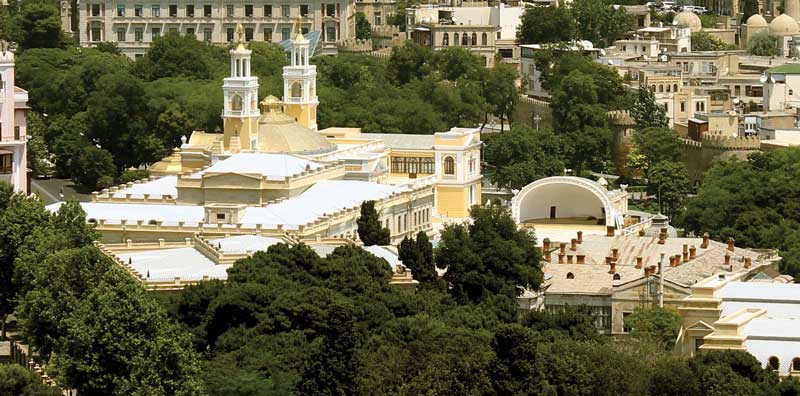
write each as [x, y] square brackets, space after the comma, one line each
[644, 57]
[610, 62]
[663, 58]
[763, 78]
[772, 79]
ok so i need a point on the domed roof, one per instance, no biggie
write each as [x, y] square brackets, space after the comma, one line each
[756, 20]
[688, 19]
[783, 25]
[280, 133]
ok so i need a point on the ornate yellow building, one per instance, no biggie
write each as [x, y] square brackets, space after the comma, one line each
[271, 173]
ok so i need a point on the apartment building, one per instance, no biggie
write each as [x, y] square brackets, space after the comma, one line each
[134, 24]
[13, 131]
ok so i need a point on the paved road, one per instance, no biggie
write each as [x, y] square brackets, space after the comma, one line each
[51, 189]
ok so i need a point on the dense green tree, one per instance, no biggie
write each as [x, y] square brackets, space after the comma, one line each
[489, 256]
[132, 175]
[457, 62]
[656, 145]
[647, 113]
[523, 155]
[417, 255]
[118, 341]
[540, 25]
[408, 62]
[92, 167]
[37, 24]
[753, 201]
[363, 27]
[656, 324]
[599, 22]
[19, 381]
[763, 44]
[703, 41]
[672, 376]
[18, 220]
[370, 229]
[176, 55]
[669, 181]
[501, 91]
[38, 156]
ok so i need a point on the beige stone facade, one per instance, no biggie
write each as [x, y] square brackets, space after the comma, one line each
[133, 24]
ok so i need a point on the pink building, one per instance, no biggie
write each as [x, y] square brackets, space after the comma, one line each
[13, 133]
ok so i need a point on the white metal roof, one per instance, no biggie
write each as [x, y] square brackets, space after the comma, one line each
[114, 212]
[265, 164]
[167, 264]
[162, 186]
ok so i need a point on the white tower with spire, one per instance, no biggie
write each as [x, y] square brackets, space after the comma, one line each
[300, 83]
[241, 112]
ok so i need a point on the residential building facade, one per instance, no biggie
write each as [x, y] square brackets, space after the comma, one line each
[134, 24]
[13, 131]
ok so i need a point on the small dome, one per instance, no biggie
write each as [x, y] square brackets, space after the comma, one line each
[688, 19]
[280, 133]
[756, 20]
[783, 25]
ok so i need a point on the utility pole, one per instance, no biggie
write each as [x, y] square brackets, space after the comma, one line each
[661, 281]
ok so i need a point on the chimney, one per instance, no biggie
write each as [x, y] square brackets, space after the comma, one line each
[581, 258]
[692, 252]
[646, 272]
[546, 244]
[671, 261]
[731, 243]
[662, 236]
[704, 245]
[677, 260]
[609, 259]
[615, 253]
[580, 237]
[561, 258]
[727, 259]
[639, 261]
[569, 259]
[748, 262]
[612, 267]
[547, 256]
[653, 269]
[563, 248]
[610, 231]
[573, 244]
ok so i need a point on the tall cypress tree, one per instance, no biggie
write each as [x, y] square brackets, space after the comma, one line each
[369, 226]
[418, 257]
[648, 113]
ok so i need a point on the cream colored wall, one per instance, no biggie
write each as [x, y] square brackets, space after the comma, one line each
[451, 201]
[305, 114]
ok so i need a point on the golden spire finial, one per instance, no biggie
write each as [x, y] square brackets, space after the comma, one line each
[240, 32]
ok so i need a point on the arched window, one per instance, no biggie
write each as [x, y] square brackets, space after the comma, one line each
[449, 166]
[796, 364]
[653, 87]
[669, 88]
[455, 38]
[236, 103]
[472, 165]
[773, 363]
[474, 38]
[464, 40]
[446, 39]
[617, 277]
[660, 88]
[674, 87]
[484, 39]
[297, 90]
[570, 275]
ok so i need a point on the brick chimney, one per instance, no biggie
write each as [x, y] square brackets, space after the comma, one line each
[561, 258]
[646, 272]
[609, 259]
[612, 267]
[662, 236]
[685, 252]
[581, 258]
[563, 248]
[677, 260]
[727, 259]
[706, 237]
[546, 244]
[569, 259]
[653, 270]
[672, 261]
[615, 253]
[692, 252]
[639, 261]
[610, 231]
[748, 262]
[580, 237]
[731, 244]
[573, 244]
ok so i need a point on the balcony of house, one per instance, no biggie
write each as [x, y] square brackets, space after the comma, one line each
[17, 137]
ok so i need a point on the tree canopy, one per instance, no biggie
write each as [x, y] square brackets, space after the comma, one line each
[763, 44]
